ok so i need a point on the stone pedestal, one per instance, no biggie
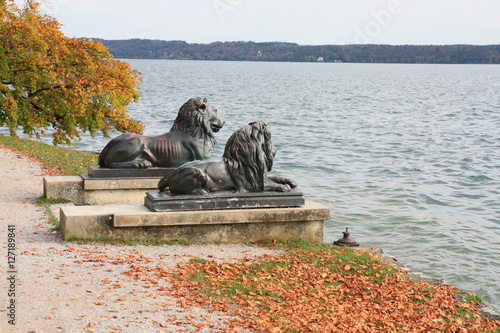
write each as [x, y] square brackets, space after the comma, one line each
[96, 172]
[164, 201]
[137, 222]
[102, 186]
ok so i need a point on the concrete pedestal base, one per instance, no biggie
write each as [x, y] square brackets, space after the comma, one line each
[137, 222]
[107, 173]
[104, 186]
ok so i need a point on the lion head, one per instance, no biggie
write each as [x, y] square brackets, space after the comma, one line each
[249, 155]
[199, 119]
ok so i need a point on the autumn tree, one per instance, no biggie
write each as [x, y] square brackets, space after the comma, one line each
[50, 81]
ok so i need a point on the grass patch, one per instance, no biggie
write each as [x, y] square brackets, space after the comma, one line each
[473, 299]
[57, 160]
[345, 260]
[46, 203]
[466, 314]
[199, 260]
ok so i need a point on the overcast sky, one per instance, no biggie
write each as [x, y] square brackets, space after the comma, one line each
[312, 22]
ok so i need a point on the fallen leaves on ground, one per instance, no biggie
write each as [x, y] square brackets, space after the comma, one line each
[318, 289]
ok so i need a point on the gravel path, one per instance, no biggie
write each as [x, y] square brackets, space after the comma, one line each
[67, 287]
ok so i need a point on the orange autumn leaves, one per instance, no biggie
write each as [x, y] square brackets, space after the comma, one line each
[318, 291]
[308, 288]
[50, 81]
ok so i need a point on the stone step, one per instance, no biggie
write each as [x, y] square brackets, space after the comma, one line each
[227, 226]
[86, 190]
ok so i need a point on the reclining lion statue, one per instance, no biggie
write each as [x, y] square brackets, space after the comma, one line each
[190, 138]
[248, 156]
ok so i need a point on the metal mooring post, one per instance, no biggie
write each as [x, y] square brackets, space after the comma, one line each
[346, 240]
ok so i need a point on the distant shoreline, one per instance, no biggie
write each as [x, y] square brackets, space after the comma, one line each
[291, 52]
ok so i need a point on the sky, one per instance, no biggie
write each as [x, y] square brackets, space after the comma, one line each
[306, 22]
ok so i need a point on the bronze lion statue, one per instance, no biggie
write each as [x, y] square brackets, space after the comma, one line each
[248, 156]
[190, 138]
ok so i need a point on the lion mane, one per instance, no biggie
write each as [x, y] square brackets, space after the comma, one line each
[249, 155]
[247, 158]
[193, 121]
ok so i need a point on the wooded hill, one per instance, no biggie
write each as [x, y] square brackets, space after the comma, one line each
[280, 51]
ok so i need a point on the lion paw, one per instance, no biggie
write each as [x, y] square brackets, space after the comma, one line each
[292, 183]
[144, 164]
[282, 188]
[200, 191]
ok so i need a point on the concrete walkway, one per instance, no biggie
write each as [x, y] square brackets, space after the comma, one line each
[55, 286]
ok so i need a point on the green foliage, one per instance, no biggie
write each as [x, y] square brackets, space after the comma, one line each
[279, 51]
[50, 81]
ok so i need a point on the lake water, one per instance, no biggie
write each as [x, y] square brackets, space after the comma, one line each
[406, 156]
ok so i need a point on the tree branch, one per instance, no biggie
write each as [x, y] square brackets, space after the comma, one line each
[59, 86]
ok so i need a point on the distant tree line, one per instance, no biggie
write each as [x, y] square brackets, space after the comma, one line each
[280, 51]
